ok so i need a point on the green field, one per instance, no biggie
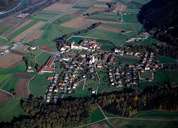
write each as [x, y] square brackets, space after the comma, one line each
[157, 114]
[10, 109]
[7, 77]
[39, 85]
[8, 82]
[151, 119]
[42, 58]
[116, 38]
[44, 15]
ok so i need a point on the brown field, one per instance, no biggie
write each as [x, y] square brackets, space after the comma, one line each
[19, 27]
[4, 96]
[32, 33]
[21, 88]
[79, 22]
[11, 23]
[109, 28]
[96, 9]
[98, 126]
[23, 75]
[59, 7]
[10, 60]
[46, 48]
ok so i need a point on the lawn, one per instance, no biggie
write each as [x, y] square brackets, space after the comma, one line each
[10, 109]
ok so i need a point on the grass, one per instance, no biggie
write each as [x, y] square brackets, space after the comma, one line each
[157, 114]
[42, 58]
[96, 115]
[51, 32]
[124, 123]
[10, 109]
[130, 17]
[44, 15]
[167, 60]
[116, 38]
[166, 76]
[4, 41]
[6, 82]
[39, 85]
[127, 60]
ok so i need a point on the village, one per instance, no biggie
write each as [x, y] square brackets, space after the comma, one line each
[80, 62]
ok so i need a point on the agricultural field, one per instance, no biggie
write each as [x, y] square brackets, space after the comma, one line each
[10, 110]
[141, 119]
[39, 84]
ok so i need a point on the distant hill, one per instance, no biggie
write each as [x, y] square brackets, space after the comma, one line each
[160, 18]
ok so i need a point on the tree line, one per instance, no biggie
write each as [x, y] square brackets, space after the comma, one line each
[71, 112]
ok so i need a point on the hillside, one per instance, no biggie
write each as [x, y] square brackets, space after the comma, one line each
[160, 18]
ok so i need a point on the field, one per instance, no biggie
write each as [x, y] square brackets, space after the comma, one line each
[79, 22]
[31, 34]
[39, 84]
[10, 60]
[106, 17]
[10, 109]
[60, 7]
[149, 119]
[22, 88]
[4, 97]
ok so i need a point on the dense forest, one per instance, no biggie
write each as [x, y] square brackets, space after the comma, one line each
[160, 18]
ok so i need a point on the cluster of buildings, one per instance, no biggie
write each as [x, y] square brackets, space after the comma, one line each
[81, 61]
[51, 93]
[120, 77]
[148, 62]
